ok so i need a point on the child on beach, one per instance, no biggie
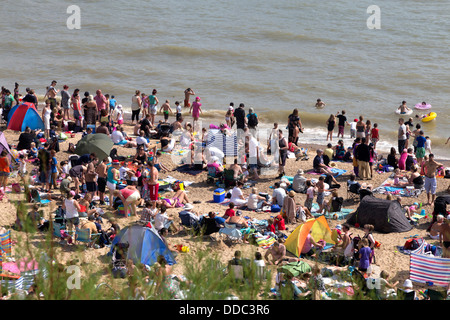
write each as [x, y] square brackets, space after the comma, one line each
[166, 109]
[353, 129]
[309, 194]
[149, 212]
[157, 164]
[119, 114]
[229, 116]
[375, 135]
[178, 109]
[33, 151]
[320, 185]
[428, 144]
[364, 255]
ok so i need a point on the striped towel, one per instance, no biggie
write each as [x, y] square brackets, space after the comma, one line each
[5, 244]
[265, 242]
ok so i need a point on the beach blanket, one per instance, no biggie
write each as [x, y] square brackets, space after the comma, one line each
[186, 168]
[331, 215]
[334, 170]
[387, 188]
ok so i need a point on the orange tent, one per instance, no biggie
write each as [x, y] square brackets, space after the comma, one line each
[320, 230]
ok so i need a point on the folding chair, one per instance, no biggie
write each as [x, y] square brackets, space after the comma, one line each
[402, 295]
[84, 235]
[352, 193]
[229, 179]
[435, 295]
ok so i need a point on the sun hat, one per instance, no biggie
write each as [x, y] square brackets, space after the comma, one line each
[197, 98]
[339, 227]
[408, 284]
[300, 171]
[188, 206]
[292, 193]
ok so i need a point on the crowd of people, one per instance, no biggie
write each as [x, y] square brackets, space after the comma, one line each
[133, 186]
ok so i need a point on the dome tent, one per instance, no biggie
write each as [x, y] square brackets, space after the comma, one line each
[24, 115]
[145, 245]
[385, 215]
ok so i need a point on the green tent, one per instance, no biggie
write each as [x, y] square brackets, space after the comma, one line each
[99, 143]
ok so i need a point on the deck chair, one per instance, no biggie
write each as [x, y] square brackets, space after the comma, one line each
[352, 193]
[84, 235]
[402, 295]
[231, 232]
[229, 179]
[434, 294]
[212, 176]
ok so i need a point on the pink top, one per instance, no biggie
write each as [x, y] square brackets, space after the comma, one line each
[307, 244]
[402, 161]
[127, 192]
[196, 109]
[101, 102]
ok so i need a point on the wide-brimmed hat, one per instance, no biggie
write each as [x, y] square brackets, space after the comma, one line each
[300, 171]
[292, 193]
[188, 206]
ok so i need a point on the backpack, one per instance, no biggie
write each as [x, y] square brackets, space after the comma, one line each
[252, 120]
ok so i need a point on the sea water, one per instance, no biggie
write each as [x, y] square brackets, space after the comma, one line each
[273, 56]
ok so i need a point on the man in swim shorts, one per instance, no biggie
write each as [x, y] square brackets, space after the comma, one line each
[430, 177]
[165, 108]
[187, 94]
[153, 184]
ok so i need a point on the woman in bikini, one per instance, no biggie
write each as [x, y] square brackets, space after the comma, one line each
[177, 201]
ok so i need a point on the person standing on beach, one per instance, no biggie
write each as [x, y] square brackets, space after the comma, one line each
[360, 128]
[90, 107]
[283, 150]
[65, 102]
[136, 104]
[51, 94]
[401, 134]
[294, 126]
[101, 101]
[187, 96]
[430, 178]
[153, 102]
[342, 121]
[331, 122]
[102, 171]
[196, 109]
[165, 108]
[153, 183]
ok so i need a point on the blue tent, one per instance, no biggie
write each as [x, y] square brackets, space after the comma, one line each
[145, 245]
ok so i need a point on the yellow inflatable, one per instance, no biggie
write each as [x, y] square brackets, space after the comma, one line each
[429, 117]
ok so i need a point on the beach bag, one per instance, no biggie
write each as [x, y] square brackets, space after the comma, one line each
[412, 244]
[295, 269]
[275, 208]
[16, 187]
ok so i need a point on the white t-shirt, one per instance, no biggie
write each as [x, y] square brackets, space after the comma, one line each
[279, 195]
[71, 210]
[253, 149]
[236, 194]
[123, 173]
[141, 140]
[117, 136]
[179, 108]
[160, 220]
[353, 125]
[252, 202]
[402, 132]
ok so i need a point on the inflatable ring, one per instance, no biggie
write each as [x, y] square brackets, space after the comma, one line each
[423, 107]
[406, 113]
[430, 117]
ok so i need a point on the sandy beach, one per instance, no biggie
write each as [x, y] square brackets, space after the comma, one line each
[388, 257]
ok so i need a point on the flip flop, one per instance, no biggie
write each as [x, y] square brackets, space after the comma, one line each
[408, 237]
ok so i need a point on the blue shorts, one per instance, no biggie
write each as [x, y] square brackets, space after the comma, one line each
[430, 185]
[121, 143]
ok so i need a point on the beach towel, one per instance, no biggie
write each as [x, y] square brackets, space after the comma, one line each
[387, 188]
[334, 170]
[6, 244]
[265, 242]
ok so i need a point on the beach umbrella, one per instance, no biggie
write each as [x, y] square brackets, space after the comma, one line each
[99, 143]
